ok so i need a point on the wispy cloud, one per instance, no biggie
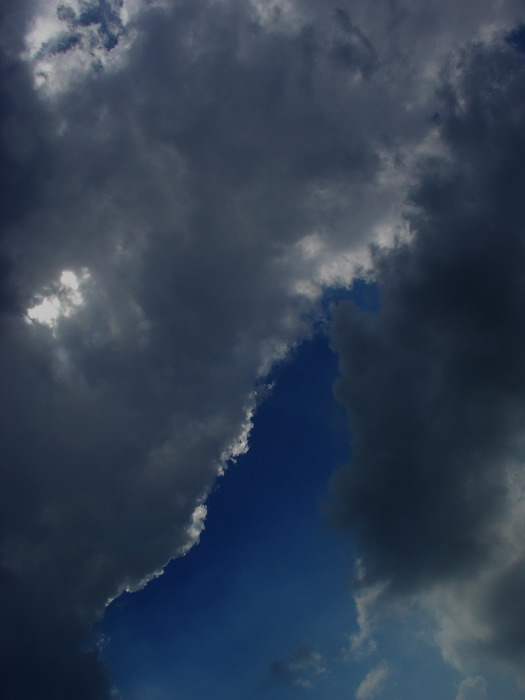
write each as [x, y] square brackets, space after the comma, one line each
[472, 688]
[372, 686]
[301, 668]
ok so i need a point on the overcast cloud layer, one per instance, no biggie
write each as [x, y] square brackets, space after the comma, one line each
[178, 185]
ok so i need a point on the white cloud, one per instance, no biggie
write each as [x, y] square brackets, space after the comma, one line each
[362, 643]
[61, 299]
[373, 684]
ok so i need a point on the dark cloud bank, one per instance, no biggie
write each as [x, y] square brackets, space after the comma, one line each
[201, 188]
[435, 383]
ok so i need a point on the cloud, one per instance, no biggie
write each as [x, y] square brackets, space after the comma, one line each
[178, 187]
[203, 178]
[473, 688]
[435, 381]
[301, 668]
[373, 683]
[366, 599]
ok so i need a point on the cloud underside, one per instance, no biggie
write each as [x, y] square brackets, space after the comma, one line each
[200, 190]
[435, 383]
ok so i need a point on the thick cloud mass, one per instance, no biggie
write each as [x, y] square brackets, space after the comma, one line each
[435, 382]
[175, 193]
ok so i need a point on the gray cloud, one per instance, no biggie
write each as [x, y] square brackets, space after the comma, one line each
[181, 185]
[435, 381]
[200, 188]
[472, 688]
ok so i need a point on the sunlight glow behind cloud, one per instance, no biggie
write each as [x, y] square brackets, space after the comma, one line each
[61, 299]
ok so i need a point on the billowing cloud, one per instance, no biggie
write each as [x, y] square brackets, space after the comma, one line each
[180, 182]
[435, 382]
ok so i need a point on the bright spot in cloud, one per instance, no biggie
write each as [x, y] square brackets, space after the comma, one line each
[60, 299]
[65, 40]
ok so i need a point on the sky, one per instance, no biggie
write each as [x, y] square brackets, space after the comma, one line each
[261, 327]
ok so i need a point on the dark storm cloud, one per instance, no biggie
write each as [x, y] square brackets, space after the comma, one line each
[435, 382]
[176, 189]
[24, 153]
[224, 159]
